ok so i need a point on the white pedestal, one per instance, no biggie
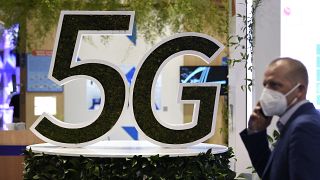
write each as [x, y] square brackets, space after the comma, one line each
[123, 149]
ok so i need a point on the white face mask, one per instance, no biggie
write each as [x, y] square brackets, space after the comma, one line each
[275, 103]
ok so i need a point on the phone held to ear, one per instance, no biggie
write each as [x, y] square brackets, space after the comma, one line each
[264, 116]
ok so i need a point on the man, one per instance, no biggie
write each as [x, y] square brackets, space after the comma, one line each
[297, 152]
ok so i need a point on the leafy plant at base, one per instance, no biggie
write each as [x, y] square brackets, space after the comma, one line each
[203, 166]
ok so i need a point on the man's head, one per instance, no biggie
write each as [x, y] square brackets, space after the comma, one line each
[283, 74]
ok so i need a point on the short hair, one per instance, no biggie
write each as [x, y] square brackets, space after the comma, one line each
[297, 70]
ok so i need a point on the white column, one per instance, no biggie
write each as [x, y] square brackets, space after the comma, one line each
[267, 48]
[267, 44]
[237, 96]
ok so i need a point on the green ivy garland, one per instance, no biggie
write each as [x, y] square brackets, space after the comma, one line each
[237, 41]
[152, 17]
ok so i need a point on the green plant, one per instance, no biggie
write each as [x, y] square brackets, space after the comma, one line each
[153, 17]
[273, 138]
[225, 119]
[203, 166]
[245, 41]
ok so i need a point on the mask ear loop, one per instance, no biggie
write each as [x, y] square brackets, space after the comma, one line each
[294, 88]
[295, 99]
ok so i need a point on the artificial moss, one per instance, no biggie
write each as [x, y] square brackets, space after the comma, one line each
[143, 85]
[204, 166]
[109, 78]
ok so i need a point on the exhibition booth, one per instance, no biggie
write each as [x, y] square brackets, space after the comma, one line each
[107, 93]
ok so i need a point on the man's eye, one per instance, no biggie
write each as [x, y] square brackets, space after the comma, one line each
[277, 85]
[274, 85]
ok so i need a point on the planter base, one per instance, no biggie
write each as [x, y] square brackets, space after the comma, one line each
[127, 160]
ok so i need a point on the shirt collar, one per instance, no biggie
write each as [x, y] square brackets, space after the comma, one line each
[286, 116]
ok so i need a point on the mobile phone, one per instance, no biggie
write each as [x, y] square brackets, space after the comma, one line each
[265, 116]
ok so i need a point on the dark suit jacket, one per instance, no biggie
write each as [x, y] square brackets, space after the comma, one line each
[296, 154]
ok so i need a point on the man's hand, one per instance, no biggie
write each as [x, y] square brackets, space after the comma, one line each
[258, 121]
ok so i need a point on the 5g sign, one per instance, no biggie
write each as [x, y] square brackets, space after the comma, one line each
[64, 68]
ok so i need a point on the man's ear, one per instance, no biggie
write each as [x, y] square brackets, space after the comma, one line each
[302, 90]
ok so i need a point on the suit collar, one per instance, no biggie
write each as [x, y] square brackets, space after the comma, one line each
[286, 116]
[305, 108]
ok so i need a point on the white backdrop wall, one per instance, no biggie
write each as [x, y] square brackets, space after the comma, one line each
[300, 39]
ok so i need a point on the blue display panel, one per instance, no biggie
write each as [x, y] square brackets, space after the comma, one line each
[202, 74]
[9, 75]
[37, 75]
